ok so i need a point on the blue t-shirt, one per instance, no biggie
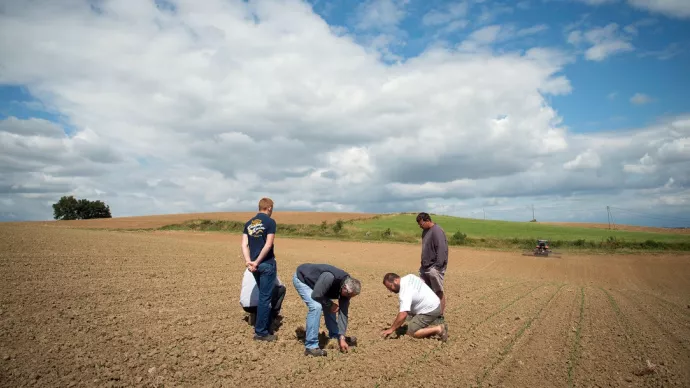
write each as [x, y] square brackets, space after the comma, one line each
[258, 229]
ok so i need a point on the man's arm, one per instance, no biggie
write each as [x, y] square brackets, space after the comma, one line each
[399, 320]
[265, 249]
[245, 248]
[323, 283]
[342, 316]
[440, 248]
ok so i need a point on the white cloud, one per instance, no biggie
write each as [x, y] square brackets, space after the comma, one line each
[606, 42]
[448, 13]
[640, 99]
[646, 165]
[585, 160]
[679, 9]
[532, 30]
[603, 42]
[597, 2]
[480, 38]
[379, 21]
[381, 14]
[219, 103]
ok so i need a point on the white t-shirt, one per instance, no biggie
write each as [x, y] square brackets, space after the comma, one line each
[249, 296]
[416, 297]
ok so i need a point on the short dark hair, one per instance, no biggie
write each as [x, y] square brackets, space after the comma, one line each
[423, 217]
[390, 277]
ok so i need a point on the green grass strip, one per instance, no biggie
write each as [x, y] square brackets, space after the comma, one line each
[511, 239]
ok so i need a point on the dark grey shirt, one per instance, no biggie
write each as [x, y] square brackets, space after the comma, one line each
[319, 294]
[434, 249]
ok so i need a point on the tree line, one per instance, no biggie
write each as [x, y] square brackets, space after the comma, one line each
[70, 208]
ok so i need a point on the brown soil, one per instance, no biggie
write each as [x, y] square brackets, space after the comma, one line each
[633, 228]
[114, 308]
[157, 221]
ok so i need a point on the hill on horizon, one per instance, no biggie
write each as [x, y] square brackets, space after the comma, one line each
[293, 217]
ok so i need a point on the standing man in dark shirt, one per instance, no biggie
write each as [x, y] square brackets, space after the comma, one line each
[317, 284]
[434, 256]
[257, 249]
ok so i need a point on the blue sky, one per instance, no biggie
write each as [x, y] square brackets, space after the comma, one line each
[376, 105]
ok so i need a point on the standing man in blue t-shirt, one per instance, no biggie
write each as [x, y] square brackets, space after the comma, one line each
[257, 248]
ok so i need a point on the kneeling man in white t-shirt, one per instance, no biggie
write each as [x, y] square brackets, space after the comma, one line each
[420, 301]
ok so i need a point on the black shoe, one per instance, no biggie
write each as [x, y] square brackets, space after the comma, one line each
[315, 352]
[269, 337]
[351, 341]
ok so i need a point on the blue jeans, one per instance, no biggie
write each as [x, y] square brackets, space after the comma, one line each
[314, 316]
[265, 276]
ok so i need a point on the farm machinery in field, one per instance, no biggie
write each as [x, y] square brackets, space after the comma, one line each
[542, 250]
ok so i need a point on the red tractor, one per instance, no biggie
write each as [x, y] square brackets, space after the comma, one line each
[542, 249]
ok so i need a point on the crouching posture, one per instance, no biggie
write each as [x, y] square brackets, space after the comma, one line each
[418, 300]
[317, 284]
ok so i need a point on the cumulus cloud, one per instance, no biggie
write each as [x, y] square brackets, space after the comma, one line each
[213, 104]
[602, 41]
[446, 14]
[585, 160]
[483, 38]
[378, 21]
[381, 14]
[679, 9]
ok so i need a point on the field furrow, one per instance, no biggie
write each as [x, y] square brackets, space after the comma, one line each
[664, 355]
[479, 337]
[542, 355]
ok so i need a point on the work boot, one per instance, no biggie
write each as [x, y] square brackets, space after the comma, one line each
[315, 352]
[269, 337]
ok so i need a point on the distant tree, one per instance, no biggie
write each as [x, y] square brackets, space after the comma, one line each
[70, 208]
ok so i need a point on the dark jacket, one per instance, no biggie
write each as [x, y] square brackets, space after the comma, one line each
[309, 274]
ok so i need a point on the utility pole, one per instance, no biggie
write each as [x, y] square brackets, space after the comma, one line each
[533, 213]
[608, 215]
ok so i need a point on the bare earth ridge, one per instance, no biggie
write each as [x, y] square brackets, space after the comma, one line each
[121, 308]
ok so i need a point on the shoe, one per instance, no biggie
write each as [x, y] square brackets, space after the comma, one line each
[444, 333]
[351, 341]
[269, 337]
[315, 352]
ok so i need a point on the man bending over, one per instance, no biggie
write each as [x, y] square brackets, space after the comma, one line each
[317, 284]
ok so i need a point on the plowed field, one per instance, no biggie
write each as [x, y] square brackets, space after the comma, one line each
[112, 308]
